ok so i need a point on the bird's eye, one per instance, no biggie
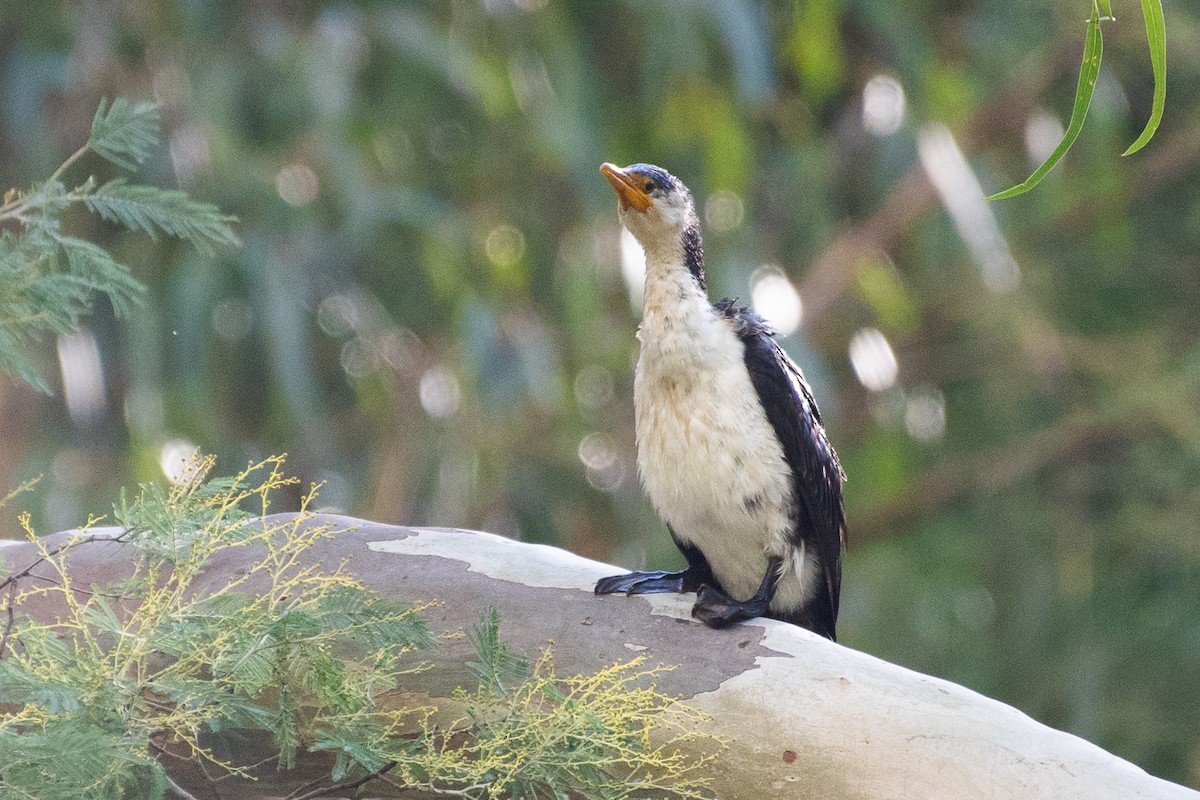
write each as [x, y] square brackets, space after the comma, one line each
[649, 187]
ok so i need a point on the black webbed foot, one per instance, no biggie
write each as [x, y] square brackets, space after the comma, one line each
[644, 583]
[641, 583]
[717, 609]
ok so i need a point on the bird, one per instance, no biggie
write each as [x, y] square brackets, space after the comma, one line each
[730, 447]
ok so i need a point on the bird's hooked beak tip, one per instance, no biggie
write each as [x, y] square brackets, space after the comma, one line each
[630, 193]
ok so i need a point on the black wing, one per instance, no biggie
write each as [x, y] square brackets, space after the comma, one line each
[816, 473]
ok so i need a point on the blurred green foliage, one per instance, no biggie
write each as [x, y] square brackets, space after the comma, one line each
[49, 280]
[429, 312]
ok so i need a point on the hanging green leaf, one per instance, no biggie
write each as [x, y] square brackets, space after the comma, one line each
[1093, 48]
[1156, 36]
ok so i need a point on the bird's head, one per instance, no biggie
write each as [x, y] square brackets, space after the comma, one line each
[653, 204]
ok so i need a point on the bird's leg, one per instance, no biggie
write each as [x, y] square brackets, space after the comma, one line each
[717, 609]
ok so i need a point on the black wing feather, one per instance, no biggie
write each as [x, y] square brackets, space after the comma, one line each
[816, 473]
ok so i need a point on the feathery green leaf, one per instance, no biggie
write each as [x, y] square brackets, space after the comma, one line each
[154, 210]
[497, 664]
[38, 296]
[70, 760]
[18, 687]
[304, 657]
[101, 273]
[47, 278]
[125, 132]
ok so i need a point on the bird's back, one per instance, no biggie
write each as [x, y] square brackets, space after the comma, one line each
[817, 476]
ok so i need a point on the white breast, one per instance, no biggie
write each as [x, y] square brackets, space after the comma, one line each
[707, 455]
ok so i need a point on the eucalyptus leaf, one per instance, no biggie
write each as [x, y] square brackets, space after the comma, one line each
[1093, 49]
[1156, 37]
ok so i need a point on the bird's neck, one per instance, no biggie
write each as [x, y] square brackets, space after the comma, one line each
[674, 270]
[669, 252]
[693, 254]
[676, 315]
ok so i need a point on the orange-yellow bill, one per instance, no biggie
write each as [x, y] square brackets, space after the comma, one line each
[629, 187]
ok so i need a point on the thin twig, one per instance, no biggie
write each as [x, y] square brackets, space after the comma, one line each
[250, 768]
[345, 785]
[90, 593]
[32, 482]
[78, 154]
[16, 209]
[175, 788]
[25, 573]
[200, 762]
[162, 751]
[465, 791]
[211, 780]
[178, 790]
[10, 582]
[8, 624]
[293, 794]
[8, 207]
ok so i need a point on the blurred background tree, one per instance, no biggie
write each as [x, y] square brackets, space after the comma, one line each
[433, 310]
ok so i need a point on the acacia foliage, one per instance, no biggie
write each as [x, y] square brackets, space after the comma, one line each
[137, 676]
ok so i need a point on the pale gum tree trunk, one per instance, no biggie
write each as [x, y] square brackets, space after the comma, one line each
[802, 717]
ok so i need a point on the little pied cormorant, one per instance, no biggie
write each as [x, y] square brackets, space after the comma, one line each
[730, 447]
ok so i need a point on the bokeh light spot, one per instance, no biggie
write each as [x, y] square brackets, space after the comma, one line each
[180, 461]
[232, 319]
[598, 453]
[297, 184]
[962, 197]
[82, 373]
[873, 360]
[724, 211]
[357, 358]
[504, 245]
[1043, 132]
[925, 414]
[594, 386]
[440, 393]
[596, 450]
[776, 299]
[883, 105]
